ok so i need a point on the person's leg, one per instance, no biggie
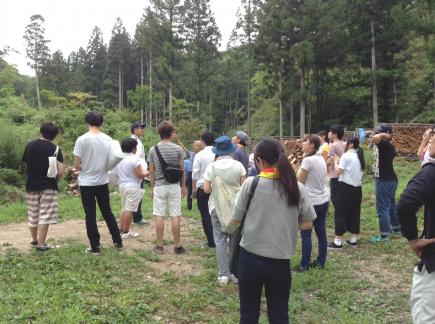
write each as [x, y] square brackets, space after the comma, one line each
[250, 286]
[127, 219]
[355, 215]
[423, 296]
[306, 248]
[174, 205]
[383, 203]
[160, 227]
[333, 187]
[340, 214]
[394, 220]
[176, 230]
[159, 211]
[320, 229]
[137, 215]
[221, 241]
[103, 200]
[278, 283]
[202, 200]
[32, 202]
[42, 234]
[189, 190]
[88, 201]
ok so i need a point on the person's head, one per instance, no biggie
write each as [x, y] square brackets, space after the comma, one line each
[240, 138]
[384, 129]
[311, 145]
[207, 139]
[223, 146]
[94, 118]
[353, 143]
[137, 129]
[196, 146]
[270, 153]
[129, 145]
[337, 132]
[323, 136]
[166, 130]
[48, 131]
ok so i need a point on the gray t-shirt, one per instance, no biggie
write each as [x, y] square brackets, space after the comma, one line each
[336, 148]
[242, 156]
[271, 226]
[316, 181]
[171, 153]
[93, 150]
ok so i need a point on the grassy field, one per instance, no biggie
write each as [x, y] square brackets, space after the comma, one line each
[370, 284]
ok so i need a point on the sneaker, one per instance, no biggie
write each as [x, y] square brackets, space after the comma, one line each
[95, 251]
[142, 222]
[129, 235]
[223, 281]
[118, 245]
[378, 239]
[333, 246]
[315, 265]
[158, 249]
[206, 245]
[44, 248]
[179, 250]
[397, 232]
[233, 279]
[300, 269]
[34, 243]
[354, 244]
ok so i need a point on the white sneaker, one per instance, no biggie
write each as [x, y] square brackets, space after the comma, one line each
[233, 279]
[129, 235]
[223, 281]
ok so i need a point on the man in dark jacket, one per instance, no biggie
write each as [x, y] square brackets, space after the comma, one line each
[421, 191]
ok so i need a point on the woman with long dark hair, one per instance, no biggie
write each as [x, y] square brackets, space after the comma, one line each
[278, 207]
[350, 168]
[313, 174]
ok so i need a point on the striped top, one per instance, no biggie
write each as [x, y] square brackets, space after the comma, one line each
[171, 153]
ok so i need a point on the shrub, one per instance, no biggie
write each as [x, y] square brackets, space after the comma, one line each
[10, 176]
[10, 194]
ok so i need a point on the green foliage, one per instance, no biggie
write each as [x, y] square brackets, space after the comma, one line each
[10, 176]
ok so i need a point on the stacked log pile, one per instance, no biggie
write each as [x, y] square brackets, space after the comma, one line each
[407, 137]
[71, 177]
[294, 152]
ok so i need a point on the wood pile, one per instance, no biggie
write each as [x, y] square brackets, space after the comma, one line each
[294, 152]
[407, 137]
[71, 178]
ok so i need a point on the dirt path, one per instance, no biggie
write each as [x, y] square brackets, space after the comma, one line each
[16, 236]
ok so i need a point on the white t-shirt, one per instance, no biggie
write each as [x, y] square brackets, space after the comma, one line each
[315, 183]
[140, 151]
[228, 170]
[93, 150]
[125, 171]
[202, 160]
[351, 166]
[426, 157]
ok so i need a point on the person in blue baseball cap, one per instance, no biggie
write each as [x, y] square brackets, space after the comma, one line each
[225, 175]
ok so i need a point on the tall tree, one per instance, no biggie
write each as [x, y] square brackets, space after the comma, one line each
[95, 62]
[55, 74]
[37, 49]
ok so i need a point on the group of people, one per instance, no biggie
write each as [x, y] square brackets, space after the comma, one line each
[271, 206]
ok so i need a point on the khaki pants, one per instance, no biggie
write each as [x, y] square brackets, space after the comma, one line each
[423, 297]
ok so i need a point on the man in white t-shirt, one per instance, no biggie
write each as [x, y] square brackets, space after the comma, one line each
[91, 152]
[222, 179]
[137, 131]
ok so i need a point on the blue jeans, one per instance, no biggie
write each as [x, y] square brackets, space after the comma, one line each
[255, 272]
[386, 205]
[320, 229]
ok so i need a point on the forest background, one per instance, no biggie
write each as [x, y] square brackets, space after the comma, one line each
[291, 67]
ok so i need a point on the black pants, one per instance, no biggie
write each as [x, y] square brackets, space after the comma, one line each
[137, 216]
[101, 195]
[189, 190]
[202, 201]
[348, 209]
[256, 271]
[334, 188]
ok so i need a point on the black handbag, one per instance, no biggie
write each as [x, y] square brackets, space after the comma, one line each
[235, 248]
[171, 172]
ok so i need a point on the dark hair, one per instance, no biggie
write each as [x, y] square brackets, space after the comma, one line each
[359, 151]
[271, 151]
[324, 133]
[207, 138]
[165, 129]
[49, 131]
[338, 130]
[128, 145]
[94, 118]
[314, 139]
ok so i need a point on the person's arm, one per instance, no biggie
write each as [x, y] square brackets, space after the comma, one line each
[302, 175]
[60, 171]
[138, 171]
[242, 179]
[381, 137]
[337, 167]
[423, 145]
[77, 163]
[180, 144]
[183, 179]
[152, 170]
[195, 172]
[306, 211]
[207, 186]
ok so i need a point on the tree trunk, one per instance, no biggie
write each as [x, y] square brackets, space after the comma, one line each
[170, 100]
[248, 103]
[302, 104]
[164, 108]
[374, 78]
[396, 113]
[292, 118]
[236, 109]
[141, 68]
[142, 113]
[38, 96]
[151, 90]
[209, 108]
[119, 87]
[280, 99]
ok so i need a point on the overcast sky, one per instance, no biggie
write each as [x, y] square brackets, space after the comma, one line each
[69, 23]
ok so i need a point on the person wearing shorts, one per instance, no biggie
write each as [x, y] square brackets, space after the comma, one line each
[167, 196]
[130, 172]
[41, 191]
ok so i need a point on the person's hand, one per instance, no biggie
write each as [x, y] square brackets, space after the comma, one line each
[183, 192]
[176, 139]
[419, 244]
[193, 195]
[336, 159]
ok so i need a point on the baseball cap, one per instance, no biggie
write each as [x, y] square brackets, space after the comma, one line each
[383, 128]
[136, 125]
[243, 137]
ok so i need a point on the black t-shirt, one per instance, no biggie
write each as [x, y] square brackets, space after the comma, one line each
[36, 157]
[387, 153]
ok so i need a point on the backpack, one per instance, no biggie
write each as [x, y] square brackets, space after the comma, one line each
[171, 172]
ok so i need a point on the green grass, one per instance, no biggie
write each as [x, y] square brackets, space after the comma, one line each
[370, 284]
